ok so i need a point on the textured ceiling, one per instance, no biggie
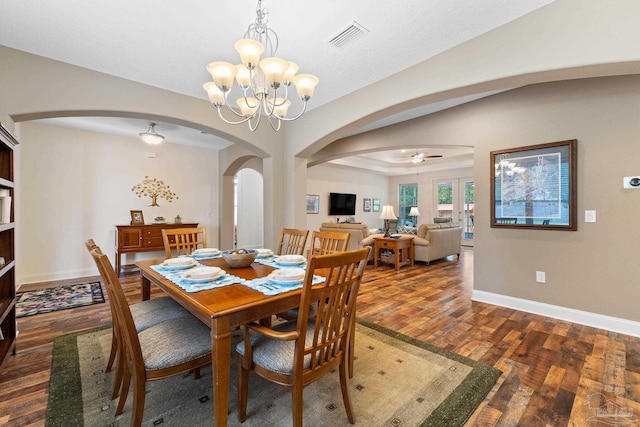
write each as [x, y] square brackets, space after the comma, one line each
[167, 44]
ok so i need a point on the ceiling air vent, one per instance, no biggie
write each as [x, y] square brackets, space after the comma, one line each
[347, 35]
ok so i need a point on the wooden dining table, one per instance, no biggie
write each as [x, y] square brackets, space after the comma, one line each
[222, 309]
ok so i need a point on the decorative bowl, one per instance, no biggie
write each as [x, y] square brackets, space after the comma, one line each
[240, 257]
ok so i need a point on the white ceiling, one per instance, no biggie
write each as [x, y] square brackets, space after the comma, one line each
[167, 44]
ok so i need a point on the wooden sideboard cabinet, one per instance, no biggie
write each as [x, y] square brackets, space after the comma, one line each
[141, 238]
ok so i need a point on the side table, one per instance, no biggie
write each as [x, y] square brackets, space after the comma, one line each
[402, 250]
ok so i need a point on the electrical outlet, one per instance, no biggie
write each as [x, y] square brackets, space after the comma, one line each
[541, 277]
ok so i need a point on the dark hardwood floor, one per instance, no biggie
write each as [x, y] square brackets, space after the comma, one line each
[555, 373]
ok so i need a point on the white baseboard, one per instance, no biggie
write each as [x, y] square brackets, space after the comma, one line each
[614, 324]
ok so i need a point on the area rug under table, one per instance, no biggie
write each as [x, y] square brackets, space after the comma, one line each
[58, 298]
[398, 381]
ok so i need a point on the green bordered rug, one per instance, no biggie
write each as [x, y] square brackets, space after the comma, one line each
[58, 298]
[398, 381]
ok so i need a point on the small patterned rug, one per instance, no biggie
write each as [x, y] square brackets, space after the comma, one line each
[58, 298]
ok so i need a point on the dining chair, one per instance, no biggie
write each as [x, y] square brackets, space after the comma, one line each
[145, 315]
[165, 350]
[299, 352]
[328, 242]
[292, 241]
[183, 241]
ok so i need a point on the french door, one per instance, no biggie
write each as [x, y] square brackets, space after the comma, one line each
[454, 198]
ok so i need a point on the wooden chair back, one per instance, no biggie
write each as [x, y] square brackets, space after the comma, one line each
[135, 368]
[328, 242]
[292, 241]
[321, 342]
[183, 241]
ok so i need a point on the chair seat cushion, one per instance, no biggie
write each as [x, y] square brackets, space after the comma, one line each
[174, 342]
[274, 355]
[151, 312]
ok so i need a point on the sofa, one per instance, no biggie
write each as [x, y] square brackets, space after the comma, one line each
[431, 241]
[359, 234]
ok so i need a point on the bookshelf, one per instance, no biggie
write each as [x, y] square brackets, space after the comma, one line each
[8, 329]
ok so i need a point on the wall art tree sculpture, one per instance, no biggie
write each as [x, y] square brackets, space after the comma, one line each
[154, 188]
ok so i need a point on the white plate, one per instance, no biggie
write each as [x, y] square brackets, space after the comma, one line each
[173, 266]
[286, 283]
[262, 253]
[202, 273]
[288, 274]
[178, 261]
[201, 277]
[206, 251]
[290, 259]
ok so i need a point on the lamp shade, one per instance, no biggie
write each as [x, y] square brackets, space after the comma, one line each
[223, 74]
[216, 96]
[305, 85]
[387, 213]
[150, 136]
[414, 211]
[250, 51]
[274, 70]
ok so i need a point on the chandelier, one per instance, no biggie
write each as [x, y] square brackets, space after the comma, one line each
[263, 78]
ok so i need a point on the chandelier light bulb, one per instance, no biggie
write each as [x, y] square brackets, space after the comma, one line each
[243, 76]
[248, 106]
[223, 74]
[280, 106]
[274, 69]
[250, 51]
[305, 85]
[216, 96]
[290, 73]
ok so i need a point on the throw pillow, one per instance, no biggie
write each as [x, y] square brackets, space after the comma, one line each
[406, 230]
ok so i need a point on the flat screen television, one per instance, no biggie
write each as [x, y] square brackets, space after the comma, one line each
[342, 204]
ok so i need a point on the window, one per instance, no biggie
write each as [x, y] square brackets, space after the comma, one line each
[408, 199]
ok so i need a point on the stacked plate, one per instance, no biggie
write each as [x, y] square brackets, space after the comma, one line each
[290, 259]
[206, 251]
[181, 263]
[263, 253]
[203, 274]
[287, 276]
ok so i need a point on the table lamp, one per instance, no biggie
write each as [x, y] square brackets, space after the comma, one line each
[387, 214]
[414, 212]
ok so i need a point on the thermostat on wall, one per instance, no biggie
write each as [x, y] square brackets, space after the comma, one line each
[631, 182]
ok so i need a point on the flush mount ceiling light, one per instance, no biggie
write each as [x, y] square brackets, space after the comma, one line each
[150, 136]
[263, 78]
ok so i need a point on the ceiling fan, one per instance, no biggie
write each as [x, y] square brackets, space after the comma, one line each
[421, 157]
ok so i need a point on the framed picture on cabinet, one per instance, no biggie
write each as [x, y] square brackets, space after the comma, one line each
[137, 218]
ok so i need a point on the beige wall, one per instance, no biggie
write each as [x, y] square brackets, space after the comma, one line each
[323, 180]
[591, 269]
[73, 185]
